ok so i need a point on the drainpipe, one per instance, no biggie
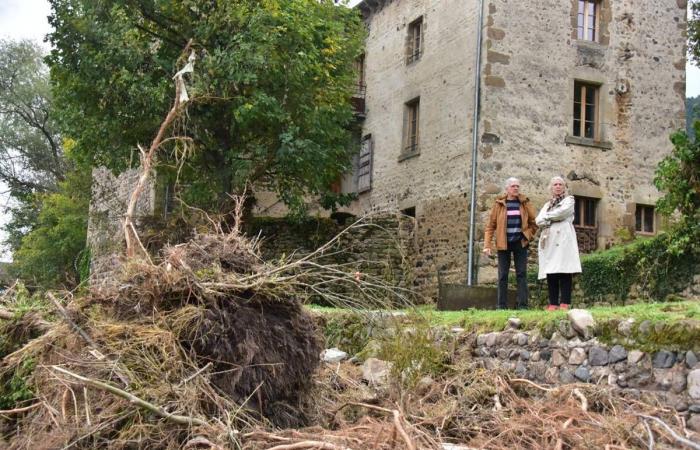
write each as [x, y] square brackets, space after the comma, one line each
[475, 143]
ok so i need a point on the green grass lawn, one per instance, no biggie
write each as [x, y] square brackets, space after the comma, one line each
[496, 319]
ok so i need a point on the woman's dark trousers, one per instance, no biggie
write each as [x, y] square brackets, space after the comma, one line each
[520, 256]
[559, 286]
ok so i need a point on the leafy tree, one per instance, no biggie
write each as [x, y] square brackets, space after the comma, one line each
[31, 158]
[53, 254]
[272, 85]
[694, 32]
[692, 113]
[678, 176]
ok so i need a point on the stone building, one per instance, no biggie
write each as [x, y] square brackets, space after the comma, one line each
[587, 89]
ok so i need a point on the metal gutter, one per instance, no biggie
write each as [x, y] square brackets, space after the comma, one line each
[475, 143]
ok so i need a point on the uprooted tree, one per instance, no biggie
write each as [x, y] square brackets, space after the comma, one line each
[273, 89]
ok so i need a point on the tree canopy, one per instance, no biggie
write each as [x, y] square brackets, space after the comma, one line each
[270, 91]
[32, 162]
[31, 157]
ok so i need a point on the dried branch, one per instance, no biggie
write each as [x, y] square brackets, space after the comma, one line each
[175, 418]
[675, 435]
[19, 410]
[309, 444]
[130, 234]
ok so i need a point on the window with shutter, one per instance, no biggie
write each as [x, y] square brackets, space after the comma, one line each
[364, 165]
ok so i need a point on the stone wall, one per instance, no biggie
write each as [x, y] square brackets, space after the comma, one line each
[383, 246]
[108, 203]
[573, 354]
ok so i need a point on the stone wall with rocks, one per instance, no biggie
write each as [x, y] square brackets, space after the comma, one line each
[573, 353]
[108, 203]
[383, 246]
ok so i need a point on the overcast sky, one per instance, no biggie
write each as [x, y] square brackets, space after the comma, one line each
[27, 19]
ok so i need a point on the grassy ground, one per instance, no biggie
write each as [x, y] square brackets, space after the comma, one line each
[496, 319]
[673, 325]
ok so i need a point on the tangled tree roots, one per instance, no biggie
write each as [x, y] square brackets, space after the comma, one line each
[263, 350]
[191, 352]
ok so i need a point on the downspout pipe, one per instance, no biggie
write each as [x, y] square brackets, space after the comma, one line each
[475, 145]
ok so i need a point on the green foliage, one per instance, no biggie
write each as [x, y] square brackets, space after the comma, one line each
[31, 156]
[694, 32]
[692, 113]
[646, 263]
[608, 272]
[678, 176]
[271, 89]
[349, 332]
[14, 388]
[53, 253]
[413, 350]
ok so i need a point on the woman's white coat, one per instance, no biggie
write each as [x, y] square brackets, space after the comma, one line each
[558, 249]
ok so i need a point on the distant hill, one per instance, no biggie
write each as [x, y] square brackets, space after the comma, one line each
[692, 113]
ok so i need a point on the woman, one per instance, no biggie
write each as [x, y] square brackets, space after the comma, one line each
[558, 249]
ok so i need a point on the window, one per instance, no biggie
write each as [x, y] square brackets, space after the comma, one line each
[364, 165]
[415, 40]
[644, 219]
[586, 110]
[588, 20]
[411, 127]
[585, 212]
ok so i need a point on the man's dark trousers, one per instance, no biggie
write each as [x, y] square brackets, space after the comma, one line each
[520, 256]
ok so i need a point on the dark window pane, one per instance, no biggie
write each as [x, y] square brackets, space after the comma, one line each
[577, 93]
[589, 130]
[577, 127]
[638, 218]
[590, 113]
[649, 219]
[577, 212]
[590, 95]
[590, 212]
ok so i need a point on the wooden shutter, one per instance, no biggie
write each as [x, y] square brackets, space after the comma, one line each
[364, 165]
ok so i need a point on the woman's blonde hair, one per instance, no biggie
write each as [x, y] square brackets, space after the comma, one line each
[558, 178]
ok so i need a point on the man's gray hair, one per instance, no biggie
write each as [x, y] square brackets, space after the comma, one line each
[511, 180]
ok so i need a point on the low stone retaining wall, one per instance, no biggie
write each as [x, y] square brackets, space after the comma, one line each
[572, 354]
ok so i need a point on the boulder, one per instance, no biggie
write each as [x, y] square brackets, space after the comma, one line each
[333, 355]
[581, 321]
[617, 354]
[376, 372]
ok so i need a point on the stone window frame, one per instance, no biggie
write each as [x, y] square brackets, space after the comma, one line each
[582, 211]
[416, 32]
[599, 136]
[640, 209]
[603, 21]
[583, 88]
[583, 18]
[410, 142]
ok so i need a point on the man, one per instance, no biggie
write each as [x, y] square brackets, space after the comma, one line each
[512, 220]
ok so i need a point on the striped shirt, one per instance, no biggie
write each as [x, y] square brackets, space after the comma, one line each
[513, 221]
